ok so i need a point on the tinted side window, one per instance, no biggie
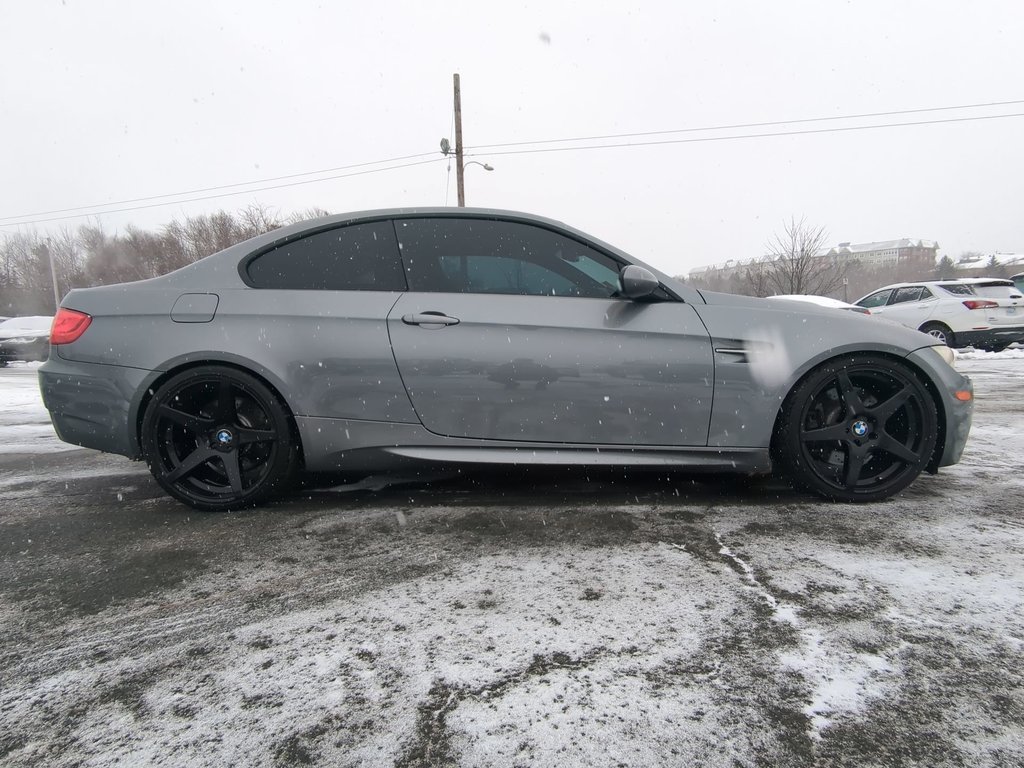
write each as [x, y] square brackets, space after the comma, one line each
[359, 257]
[480, 256]
[901, 295]
[498, 274]
[875, 299]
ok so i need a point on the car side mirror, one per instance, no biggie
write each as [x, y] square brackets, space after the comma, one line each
[637, 282]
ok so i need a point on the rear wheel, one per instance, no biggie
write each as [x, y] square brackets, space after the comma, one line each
[217, 439]
[859, 429]
[940, 332]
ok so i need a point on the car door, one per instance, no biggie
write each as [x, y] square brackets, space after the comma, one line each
[910, 305]
[511, 331]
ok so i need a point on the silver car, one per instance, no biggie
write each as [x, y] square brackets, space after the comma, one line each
[369, 341]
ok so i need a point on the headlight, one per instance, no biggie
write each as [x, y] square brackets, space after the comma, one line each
[946, 354]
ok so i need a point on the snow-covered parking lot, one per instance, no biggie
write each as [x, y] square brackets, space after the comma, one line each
[528, 618]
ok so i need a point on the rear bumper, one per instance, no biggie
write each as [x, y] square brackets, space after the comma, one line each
[93, 405]
[992, 337]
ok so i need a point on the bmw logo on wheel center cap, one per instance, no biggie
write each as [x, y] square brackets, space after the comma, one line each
[860, 428]
[224, 437]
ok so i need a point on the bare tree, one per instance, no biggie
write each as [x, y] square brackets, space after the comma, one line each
[316, 212]
[257, 219]
[755, 280]
[796, 261]
[91, 256]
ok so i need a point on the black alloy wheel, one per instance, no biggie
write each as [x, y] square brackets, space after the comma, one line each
[217, 439]
[860, 429]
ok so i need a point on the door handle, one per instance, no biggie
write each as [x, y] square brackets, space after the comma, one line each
[429, 318]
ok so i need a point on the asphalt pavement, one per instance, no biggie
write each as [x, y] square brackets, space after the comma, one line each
[514, 618]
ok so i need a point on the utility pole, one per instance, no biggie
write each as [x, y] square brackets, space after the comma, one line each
[460, 169]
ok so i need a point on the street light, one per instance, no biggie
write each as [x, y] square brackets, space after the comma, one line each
[446, 150]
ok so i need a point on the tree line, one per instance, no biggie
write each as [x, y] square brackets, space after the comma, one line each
[89, 255]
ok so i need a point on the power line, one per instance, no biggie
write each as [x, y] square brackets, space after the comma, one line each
[75, 212]
[225, 194]
[214, 189]
[742, 136]
[748, 125]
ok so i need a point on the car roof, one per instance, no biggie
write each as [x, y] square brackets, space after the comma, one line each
[29, 322]
[215, 265]
[952, 281]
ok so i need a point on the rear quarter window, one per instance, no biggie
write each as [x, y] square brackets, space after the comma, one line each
[957, 290]
[359, 257]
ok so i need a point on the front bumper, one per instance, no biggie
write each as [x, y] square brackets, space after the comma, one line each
[955, 414]
[94, 405]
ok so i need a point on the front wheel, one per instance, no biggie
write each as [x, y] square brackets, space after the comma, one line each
[858, 429]
[217, 439]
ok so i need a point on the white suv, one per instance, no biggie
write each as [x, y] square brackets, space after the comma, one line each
[987, 313]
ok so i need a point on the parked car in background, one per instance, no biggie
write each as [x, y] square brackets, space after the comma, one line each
[370, 341]
[821, 301]
[25, 338]
[981, 312]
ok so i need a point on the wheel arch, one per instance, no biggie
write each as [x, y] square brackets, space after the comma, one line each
[926, 381]
[930, 321]
[178, 365]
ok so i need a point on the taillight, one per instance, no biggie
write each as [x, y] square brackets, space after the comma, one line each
[68, 326]
[981, 304]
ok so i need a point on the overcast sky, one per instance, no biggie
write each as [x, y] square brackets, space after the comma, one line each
[105, 101]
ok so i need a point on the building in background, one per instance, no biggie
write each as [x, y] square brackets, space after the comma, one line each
[979, 263]
[913, 255]
[917, 254]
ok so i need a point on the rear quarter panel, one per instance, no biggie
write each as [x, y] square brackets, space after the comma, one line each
[326, 352]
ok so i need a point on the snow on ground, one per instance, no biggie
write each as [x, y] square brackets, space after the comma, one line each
[26, 423]
[498, 622]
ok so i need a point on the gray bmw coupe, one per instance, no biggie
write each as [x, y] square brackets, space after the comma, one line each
[363, 342]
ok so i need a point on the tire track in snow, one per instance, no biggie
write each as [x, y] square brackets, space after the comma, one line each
[840, 682]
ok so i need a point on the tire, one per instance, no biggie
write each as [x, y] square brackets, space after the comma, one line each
[941, 332]
[218, 439]
[856, 429]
